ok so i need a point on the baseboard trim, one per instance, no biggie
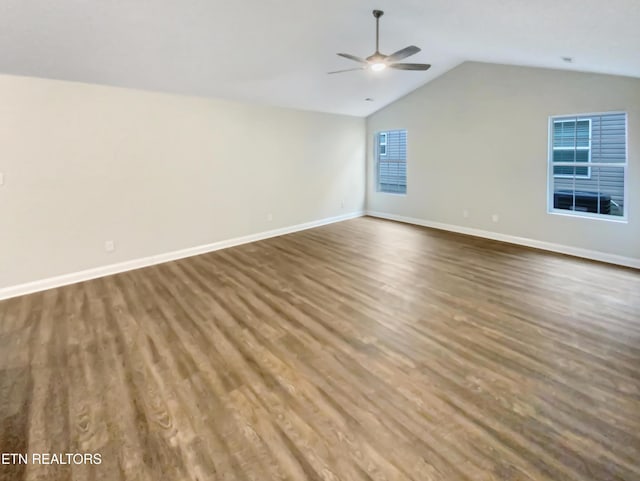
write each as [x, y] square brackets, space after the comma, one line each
[524, 241]
[86, 275]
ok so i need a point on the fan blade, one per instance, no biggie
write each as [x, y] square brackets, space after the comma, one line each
[352, 57]
[348, 70]
[410, 66]
[404, 53]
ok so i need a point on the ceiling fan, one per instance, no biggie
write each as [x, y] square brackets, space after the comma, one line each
[379, 61]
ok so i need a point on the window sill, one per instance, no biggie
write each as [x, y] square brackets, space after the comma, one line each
[589, 216]
[398, 194]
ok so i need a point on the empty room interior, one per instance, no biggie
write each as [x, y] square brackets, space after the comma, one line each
[330, 241]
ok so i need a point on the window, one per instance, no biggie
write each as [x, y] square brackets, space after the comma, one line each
[382, 144]
[391, 161]
[587, 165]
[571, 143]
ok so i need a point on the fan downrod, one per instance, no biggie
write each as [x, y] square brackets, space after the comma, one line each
[377, 14]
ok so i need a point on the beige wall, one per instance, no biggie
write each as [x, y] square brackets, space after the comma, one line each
[156, 173]
[477, 140]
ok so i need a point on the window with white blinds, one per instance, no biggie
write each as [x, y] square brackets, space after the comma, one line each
[588, 165]
[391, 161]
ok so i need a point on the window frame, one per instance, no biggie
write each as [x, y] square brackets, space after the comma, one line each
[376, 159]
[588, 148]
[624, 219]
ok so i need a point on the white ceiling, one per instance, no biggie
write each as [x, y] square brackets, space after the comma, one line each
[278, 51]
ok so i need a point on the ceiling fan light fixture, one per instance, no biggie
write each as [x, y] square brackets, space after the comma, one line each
[378, 61]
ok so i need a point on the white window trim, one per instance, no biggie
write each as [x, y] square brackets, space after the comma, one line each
[573, 164]
[624, 219]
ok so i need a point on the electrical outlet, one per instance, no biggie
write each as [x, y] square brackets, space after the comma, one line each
[465, 213]
[109, 246]
[1, 178]
[342, 204]
[495, 218]
[269, 217]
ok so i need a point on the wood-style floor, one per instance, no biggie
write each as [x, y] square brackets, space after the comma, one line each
[364, 350]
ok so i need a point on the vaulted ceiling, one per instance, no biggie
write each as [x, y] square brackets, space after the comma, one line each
[277, 52]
